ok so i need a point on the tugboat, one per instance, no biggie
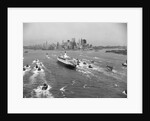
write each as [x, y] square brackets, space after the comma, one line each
[67, 61]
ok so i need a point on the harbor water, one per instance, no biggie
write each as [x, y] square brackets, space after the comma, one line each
[96, 82]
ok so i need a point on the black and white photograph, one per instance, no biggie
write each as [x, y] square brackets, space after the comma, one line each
[74, 60]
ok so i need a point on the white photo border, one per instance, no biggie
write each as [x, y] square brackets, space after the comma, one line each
[18, 104]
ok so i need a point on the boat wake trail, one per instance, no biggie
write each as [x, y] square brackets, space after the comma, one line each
[73, 82]
[124, 67]
[26, 71]
[96, 57]
[94, 72]
[39, 78]
[63, 88]
[65, 91]
[40, 74]
[88, 73]
[33, 78]
[40, 93]
[85, 86]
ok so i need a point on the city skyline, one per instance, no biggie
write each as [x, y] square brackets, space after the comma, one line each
[96, 33]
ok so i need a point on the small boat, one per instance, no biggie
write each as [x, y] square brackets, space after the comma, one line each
[26, 68]
[37, 70]
[124, 64]
[68, 62]
[42, 91]
[90, 66]
[82, 64]
[26, 52]
[109, 68]
[35, 61]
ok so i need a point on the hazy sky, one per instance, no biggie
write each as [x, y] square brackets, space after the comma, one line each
[96, 33]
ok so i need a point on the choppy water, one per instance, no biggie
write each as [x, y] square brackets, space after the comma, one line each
[80, 83]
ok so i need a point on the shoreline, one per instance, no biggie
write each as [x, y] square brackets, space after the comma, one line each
[123, 52]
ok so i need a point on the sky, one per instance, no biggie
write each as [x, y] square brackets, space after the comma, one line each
[96, 33]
